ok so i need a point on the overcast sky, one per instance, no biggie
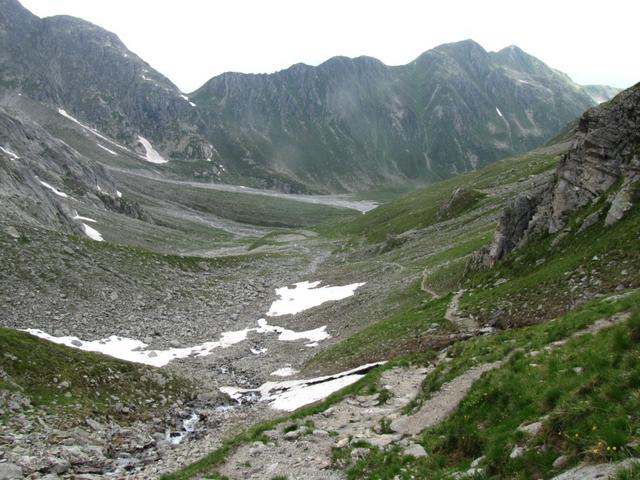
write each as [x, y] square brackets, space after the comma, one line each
[190, 41]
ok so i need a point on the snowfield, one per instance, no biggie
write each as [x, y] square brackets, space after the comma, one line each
[306, 295]
[290, 395]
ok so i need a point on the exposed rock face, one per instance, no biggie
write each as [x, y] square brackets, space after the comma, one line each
[605, 154]
[513, 225]
[30, 158]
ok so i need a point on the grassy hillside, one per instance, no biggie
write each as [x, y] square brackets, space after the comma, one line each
[581, 392]
[81, 384]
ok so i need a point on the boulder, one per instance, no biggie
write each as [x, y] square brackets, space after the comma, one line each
[10, 471]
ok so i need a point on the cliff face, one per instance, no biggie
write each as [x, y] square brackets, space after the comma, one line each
[604, 159]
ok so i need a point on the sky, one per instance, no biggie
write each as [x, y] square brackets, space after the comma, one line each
[190, 41]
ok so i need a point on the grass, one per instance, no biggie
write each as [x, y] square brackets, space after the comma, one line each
[240, 207]
[546, 279]
[37, 368]
[406, 331]
[427, 206]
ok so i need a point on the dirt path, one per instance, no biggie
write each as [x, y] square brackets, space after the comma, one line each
[305, 453]
[443, 403]
[455, 316]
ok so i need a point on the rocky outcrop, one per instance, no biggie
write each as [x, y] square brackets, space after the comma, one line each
[604, 160]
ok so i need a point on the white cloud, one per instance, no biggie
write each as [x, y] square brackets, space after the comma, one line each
[190, 41]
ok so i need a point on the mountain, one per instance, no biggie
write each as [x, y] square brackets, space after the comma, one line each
[601, 93]
[346, 125]
[352, 124]
[71, 64]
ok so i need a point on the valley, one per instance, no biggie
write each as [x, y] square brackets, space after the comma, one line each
[425, 271]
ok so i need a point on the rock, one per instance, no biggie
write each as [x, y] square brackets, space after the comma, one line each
[76, 343]
[382, 441]
[471, 473]
[531, 429]
[590, 221]
[597, 472]
[292, 435]
[476, 463]
[97, 426]
[415, 450]
[560, 462]
[64, 385]
[621, 204]
[513, 225]
[12, 232]
[10, 471]
[517, 452]
[342, 442]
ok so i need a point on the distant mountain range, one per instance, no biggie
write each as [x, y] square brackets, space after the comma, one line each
[345, 125]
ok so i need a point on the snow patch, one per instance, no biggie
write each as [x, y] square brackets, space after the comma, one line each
[92, 233]
[89, 129]
[86, 219]
[54, 189]
[151, 154]
[290, 395]
[135, 350]
[118, 194]
[284, 372]
[306, 295]
[258, 351]
[107, 149]
[499, 112]
[286, 335]
[10, 153]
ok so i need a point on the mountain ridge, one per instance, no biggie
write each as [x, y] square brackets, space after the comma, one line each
[344, 125]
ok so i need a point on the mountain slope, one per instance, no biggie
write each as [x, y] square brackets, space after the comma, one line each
[72, 64]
